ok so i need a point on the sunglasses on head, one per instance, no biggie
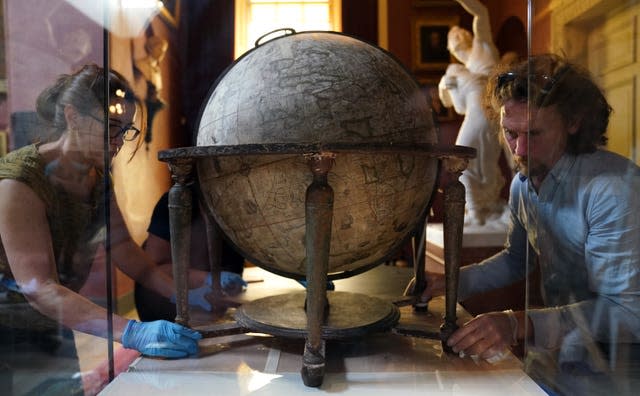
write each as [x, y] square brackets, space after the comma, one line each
[542, 83]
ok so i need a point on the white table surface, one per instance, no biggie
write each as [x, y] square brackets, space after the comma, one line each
[378, 364]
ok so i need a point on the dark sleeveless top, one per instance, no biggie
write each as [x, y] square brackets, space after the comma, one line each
[76, 227]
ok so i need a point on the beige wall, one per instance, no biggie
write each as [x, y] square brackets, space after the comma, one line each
[141, 179]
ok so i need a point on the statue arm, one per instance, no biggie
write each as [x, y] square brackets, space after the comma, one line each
[481, 21]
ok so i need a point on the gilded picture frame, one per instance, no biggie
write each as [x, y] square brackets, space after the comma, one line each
[429, 39]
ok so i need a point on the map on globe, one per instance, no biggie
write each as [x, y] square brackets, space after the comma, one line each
[317, 87]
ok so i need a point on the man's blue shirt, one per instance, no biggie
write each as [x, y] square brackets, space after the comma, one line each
[584, 226]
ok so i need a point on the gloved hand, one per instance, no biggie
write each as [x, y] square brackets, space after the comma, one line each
[232, 283]
[9, 284]
[330, 284]
[197, 297]
[160, 338]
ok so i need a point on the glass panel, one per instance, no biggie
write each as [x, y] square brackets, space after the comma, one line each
[48, 241]
[62, 124]
[576, 144]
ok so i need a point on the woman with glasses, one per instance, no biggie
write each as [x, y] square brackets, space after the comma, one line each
[52, 228]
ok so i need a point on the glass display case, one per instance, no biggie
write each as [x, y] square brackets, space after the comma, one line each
[103, 185]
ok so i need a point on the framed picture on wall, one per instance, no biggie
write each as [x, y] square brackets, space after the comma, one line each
[429, 42]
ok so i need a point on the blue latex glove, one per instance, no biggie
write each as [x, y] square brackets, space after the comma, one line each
[9, 284]
[196, 297]
[160, 338]
[330, 284]
[232, 283]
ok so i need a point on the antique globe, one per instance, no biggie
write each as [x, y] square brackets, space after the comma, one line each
[317, 88]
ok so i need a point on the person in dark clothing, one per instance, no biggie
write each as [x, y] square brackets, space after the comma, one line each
[152, 306]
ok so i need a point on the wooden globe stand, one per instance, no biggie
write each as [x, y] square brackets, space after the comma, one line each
[316, 315]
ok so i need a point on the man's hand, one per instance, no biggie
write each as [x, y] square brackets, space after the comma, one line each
[486, 336]
[160, 338]
[435, 286]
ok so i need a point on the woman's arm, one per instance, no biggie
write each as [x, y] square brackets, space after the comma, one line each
[159, 250]
[133, 261]
[24, 230]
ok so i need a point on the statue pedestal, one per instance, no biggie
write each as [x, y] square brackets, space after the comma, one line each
[478, 243]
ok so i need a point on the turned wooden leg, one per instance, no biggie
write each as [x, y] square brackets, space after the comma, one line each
[180, 225]
[319, 215]
[453, 224]
[214, 248]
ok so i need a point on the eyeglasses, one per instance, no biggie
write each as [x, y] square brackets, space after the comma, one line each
[128, 131]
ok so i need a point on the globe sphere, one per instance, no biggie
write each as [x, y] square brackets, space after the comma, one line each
[310, 88]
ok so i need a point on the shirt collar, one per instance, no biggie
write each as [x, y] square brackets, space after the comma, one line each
[558, 173]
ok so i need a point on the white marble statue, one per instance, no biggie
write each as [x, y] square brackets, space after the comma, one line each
[483, 177]
[476, 51]
[462, 87]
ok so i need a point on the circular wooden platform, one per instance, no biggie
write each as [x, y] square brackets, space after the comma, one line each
[350, 315]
